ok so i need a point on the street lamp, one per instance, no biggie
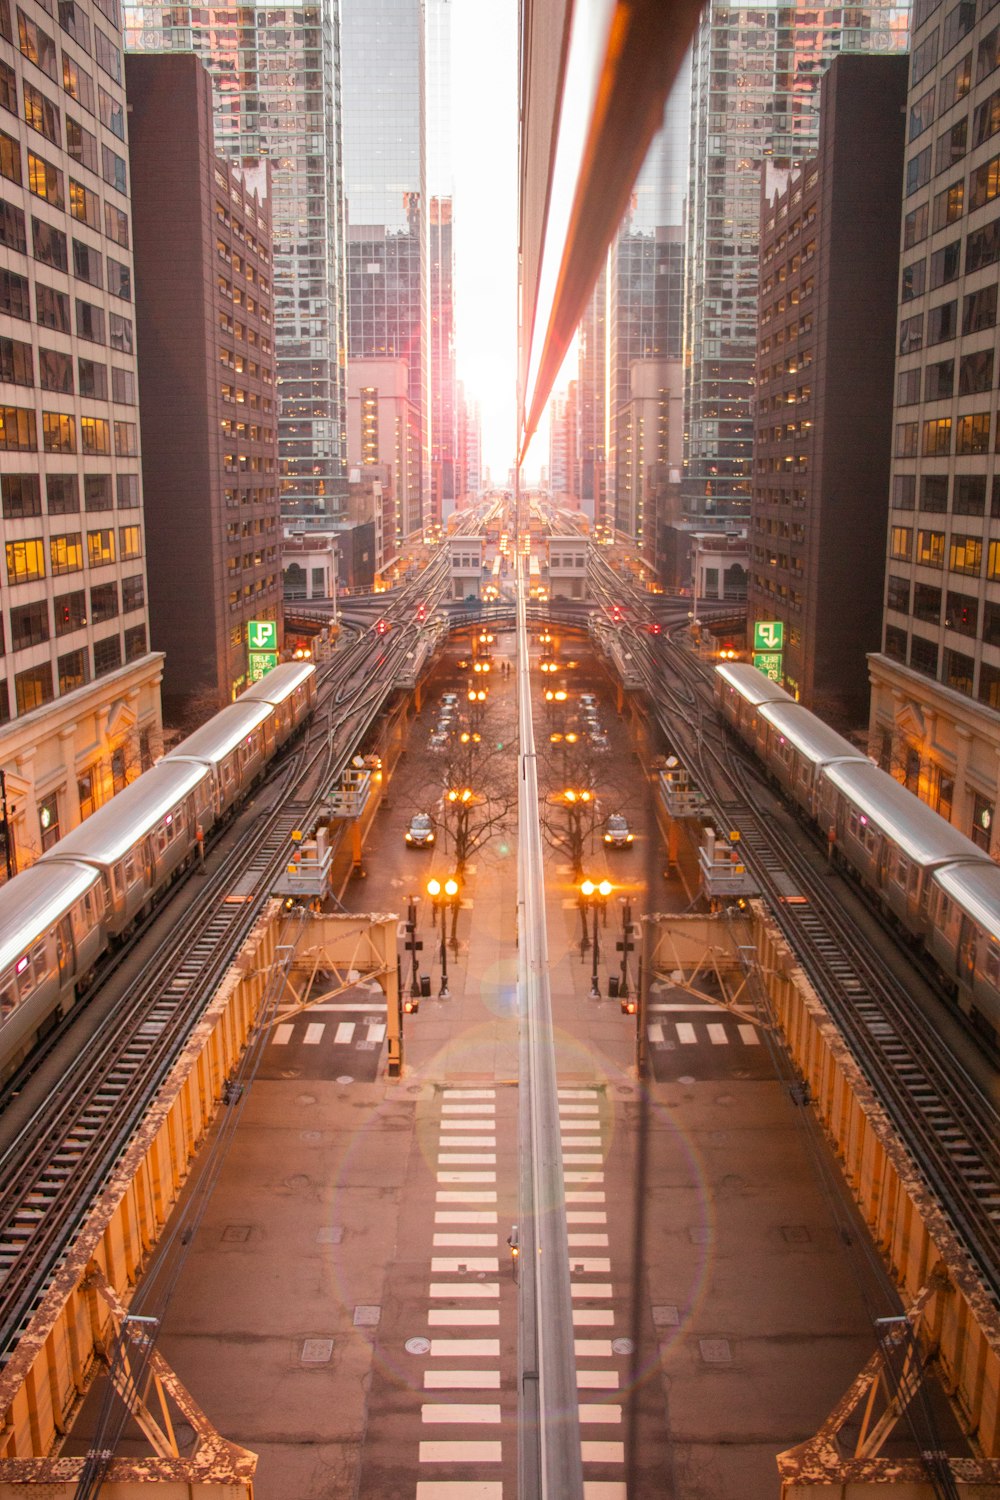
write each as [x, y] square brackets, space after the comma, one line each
[440, 896]
[597, 894]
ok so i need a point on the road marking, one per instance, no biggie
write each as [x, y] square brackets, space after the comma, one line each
[470, 1094]
[466, 1177]
[455, 1412]
[655, 1033]
[467, 1158]
[472, 1348]
[587, 1289]
[447, 1141]
[466, 1289]
[464, 1317]
[749, 1035]
[376, 1031]
[453, 1380]
[582, 1158]
[367, 1007]
[596, 1380]
[571, 1141]
[468, 1109]
[465, 1453]
[583, 1176]
[601, 1453]
[717, 1034]
[470, 1489]
[686, 1033]
[579, 1109]
[587, 1239]
[593, 1412]
[282, 1034]
[577, 1093]
[592, 1348]
[345, 1032]
[593, 1317]
[593, 1489]
[585, 1197]
[482, 1241]
[463, 1124]
[590, 1266]
[465, 1216]
[684, 1009]
[586, 1216]
[314, 1033]
[443, 1264]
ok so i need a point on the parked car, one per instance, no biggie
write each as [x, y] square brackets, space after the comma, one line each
[617, 835]
[438, 740]
[449, 701]
[599, 740]
[420, 834]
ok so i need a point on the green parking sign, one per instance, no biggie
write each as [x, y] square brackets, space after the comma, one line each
[262, 635]
[768, 635]
[768, 662]
[261, 663]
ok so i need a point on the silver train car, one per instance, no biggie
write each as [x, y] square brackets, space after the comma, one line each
[58, 917]
[940, 887]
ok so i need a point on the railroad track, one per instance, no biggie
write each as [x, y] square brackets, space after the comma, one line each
[51, 1173]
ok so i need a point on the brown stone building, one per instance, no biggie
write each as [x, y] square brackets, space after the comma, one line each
[204, 305]
[822, 436]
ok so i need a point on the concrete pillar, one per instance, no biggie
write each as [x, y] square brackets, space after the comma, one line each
[70, 815]
[964, 801]
[27, 833]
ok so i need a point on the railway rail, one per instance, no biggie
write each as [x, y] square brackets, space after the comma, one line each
[52, 1170]
[946, 1118]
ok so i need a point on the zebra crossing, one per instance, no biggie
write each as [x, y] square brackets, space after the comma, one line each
[478, 1436]
[704, 1042]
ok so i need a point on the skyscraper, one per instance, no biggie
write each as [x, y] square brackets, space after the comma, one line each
[79, 687]
[755, 78]
[275, 85]
[935, 711]
[386, 210]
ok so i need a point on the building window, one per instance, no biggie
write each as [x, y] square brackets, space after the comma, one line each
[112, 113]
[40, 113]
[81, 144]
[10, 158]
[84, 205]
[59, 432]
[966, 555]
[89, 321]
[12, 227]
[113, 169]
[915, 226]
[16, 362]
[934, 492]
[904, 491]
[900, 542]
[75, 23]
[982, 248]
[45, 180]
[97, 492]
[972, 433]
[914, 280]
[62, 494]
[36, 44]
[898, 593]
[906, 439]
[95, 434]
[975, 373]
[949, 205]
[979, 309]
[116, 225]
[939, 381]
[22, 496]
[88, 263]
[93, 375]
[134, 593]
[107, 54]
[962, 614]
[923, 656]
[951, 146]
[135, 642]
[51, 308]
[17, 430]
[930, 548]
[66, 553]
[958, 672]
[33, 688]
[77, 82]
[121, 333]
[72, 670]
[25, 560]
[126, 439]
[895, 643]
[70, 612]
[970, 495]
[85, 793]
[908, 387]
[942, 322]
[130, 542]
[107, 655]
[122, 386]
[936, 437]
[104, 602]
[911, 334]
[987, 54]
[128, 491]
[119, 280]
[989, 685]
[100, 547]
[29, 625]
[55, 371]
[921, 114]
[927, 604]
[946, 264]
[15, 299]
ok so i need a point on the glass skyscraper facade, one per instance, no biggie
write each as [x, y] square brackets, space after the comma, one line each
[276, 94]
[386, 205]
[755, 98]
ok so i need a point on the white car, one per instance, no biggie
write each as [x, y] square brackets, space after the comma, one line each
[617, 834]
[420, 834]
[438, 739]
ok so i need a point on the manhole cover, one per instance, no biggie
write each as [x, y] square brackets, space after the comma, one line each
[367, 1317]
[686, 1079]
[417, 1346]
[345, 1078]
[236, 1233]
[716, 1351]
[310, 1135]
[306, 1099]
[666, 1315]
[622, 1346]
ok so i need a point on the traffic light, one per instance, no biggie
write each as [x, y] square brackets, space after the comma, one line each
[382, 627]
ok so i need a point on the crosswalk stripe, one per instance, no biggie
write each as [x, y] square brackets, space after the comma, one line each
[595, 1412]
[484, 1317]
[717, 1034]
[314, 1033]
[456, 1412]
[376, 1031]
[466, 1348]
[464, 1216]
[686, 1033]
[597, 1380]
[345, 1032]
[749, 1035]
[602, 1453]
[466, 1289]
[655, 1033]
[462, 1453]
[456, 1380]
[282, 1034]
[470, 1489]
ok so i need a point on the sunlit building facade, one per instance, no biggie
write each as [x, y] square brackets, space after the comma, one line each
[387, 221]
[754, 84]
[276, 94]
[935, 710]
[79, 685]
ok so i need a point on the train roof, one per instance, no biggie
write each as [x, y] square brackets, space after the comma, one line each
[113, 829]
[278, 684]
[223, 732]
[751, 684]
[914, 827]
[810, 736]
[37, 898]
[976, 889]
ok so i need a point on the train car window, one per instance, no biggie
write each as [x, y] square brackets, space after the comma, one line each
[852, 824]
[902, 871]
[39, 962]
[991, 963]
[8, 996]
[131, 869]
